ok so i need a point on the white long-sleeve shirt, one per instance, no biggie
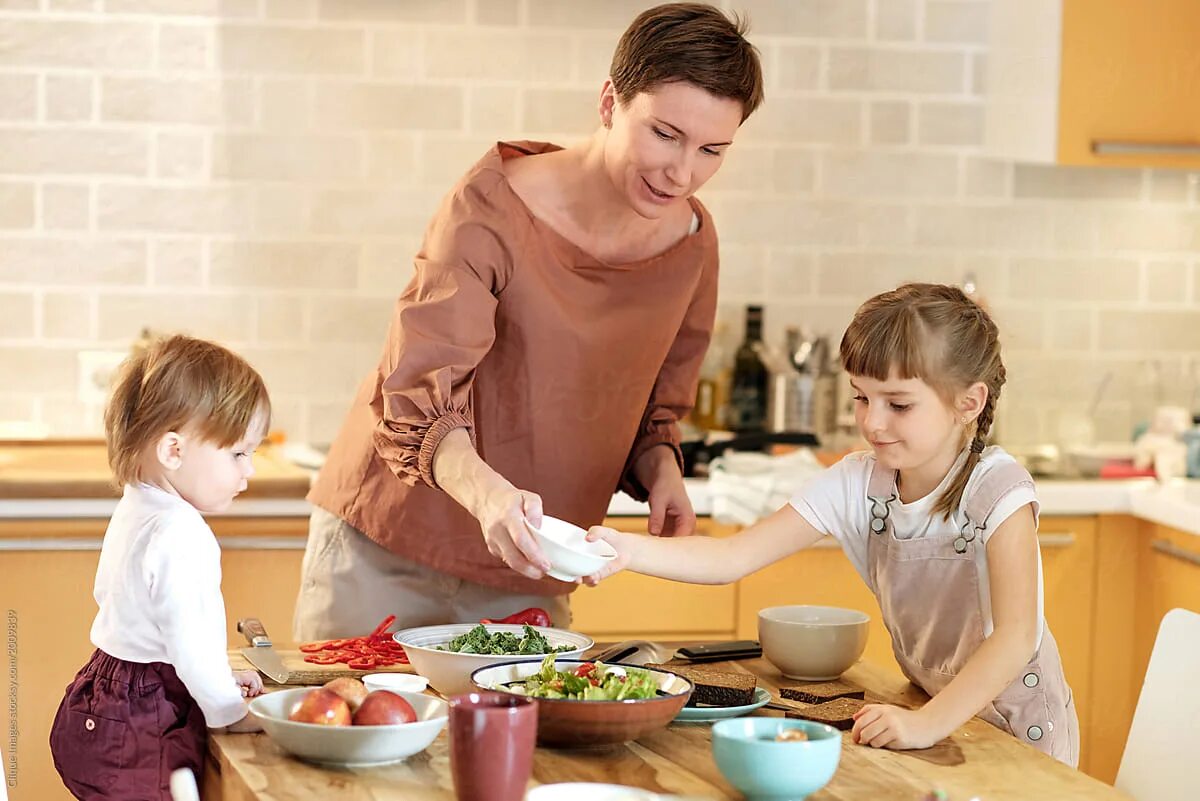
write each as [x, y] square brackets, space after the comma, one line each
[159, 591]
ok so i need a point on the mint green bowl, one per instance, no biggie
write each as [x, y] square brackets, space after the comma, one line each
[765, 770]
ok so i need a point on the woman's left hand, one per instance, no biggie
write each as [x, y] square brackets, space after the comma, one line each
[671, 513]
[249, 681]
[887, 726]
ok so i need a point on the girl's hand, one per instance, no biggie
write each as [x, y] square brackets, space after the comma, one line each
[502, 517]
[887, 726]
[616, 540]
[249, 681]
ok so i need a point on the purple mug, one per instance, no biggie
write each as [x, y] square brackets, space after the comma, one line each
[492, 737]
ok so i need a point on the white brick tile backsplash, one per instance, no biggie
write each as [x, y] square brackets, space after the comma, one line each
[448, 12]
[18, 96]
[957, 21]
[67, 315]
[283, 265]
[186, 47]
[66, 206]
[16, 315]
[835, 19]
[526, 57]
[381, 107]
[82, 263]
[261, 172]
[75, 151]
[896, 20]
[857, 69]
[69, 98]
[276, 49]
[81, 44]
[17, 205]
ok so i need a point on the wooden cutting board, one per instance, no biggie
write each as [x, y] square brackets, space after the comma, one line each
[306, 673]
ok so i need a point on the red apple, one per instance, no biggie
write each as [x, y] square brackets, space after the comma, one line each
[349, 688]
[323, 707]
[383, 708]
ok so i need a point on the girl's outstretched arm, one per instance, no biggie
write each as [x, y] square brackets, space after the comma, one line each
[1012, 553]
[707, 560]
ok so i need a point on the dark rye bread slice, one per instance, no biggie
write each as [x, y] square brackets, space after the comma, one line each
[838, 713]
[820, 692]
[715, 687]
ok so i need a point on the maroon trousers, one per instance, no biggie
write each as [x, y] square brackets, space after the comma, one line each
[123, 727]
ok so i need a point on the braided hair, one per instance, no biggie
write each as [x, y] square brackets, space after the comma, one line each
[936, 333]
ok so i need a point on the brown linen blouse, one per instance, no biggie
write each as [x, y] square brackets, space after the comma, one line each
[563, 369]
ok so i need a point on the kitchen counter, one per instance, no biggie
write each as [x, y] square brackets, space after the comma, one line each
[978, 760]
[70, 479]
[1175, 504]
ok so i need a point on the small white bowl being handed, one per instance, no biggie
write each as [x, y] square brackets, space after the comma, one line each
[571, 555]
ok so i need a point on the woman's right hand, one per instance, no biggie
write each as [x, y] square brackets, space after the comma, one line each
[617, 540]
[502, 516]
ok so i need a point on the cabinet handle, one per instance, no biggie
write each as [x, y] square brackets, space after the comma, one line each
[1056, 539]
[52, 544]
[262, 543]
[1175, 552]
[1110, 147]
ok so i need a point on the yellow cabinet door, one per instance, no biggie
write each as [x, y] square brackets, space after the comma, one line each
[1130, 74]
[1168, 578]
[1069, 578]
[260, 572]
[632, 606]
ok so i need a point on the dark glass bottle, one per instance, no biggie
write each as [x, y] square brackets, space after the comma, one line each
[748, 395]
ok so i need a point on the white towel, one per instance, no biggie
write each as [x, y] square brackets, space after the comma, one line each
[747, 486]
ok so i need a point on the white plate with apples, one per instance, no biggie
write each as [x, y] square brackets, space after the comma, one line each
[343, 724]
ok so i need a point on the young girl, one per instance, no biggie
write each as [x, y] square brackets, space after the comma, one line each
[942, 529]
[184, 419]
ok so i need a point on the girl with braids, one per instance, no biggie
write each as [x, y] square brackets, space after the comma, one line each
[184, 418]
[942, 528]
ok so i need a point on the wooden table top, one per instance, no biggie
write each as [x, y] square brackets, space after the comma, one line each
[978, 760]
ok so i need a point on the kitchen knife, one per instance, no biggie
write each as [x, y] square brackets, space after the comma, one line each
[261, 654]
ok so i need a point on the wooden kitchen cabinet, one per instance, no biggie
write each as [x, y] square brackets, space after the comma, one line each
[48, 569]
[1095, 82]
[632, 606]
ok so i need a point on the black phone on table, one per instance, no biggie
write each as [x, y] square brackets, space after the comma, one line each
[719, 651]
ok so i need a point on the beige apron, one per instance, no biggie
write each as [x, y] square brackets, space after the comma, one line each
[928, 591]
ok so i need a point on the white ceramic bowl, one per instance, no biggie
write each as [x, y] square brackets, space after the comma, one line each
[396, 682]
[450, 673]
[565, 545]
[349, 745]
[816, 643]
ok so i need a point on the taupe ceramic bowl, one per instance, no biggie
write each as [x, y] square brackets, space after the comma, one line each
[817, 643]
[577, 724]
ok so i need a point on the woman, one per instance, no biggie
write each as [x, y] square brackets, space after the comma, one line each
[543, 353]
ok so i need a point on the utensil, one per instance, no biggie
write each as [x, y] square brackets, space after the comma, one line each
[634, 652]
[262, 654]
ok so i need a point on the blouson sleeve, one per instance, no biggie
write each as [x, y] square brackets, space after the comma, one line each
[674, 391]
[442, 327]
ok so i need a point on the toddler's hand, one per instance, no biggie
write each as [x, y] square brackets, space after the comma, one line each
[616, 540]
[249, 681]
[887, 726]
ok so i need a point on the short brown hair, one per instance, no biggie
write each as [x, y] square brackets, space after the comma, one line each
[179, 383]
[690, 42]
[938, 334]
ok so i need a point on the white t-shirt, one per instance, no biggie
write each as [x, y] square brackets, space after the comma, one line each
[835, 503]
[159, 591]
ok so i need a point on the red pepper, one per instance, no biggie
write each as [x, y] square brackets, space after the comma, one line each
[533, 616]
[376, 649]
[585, 669]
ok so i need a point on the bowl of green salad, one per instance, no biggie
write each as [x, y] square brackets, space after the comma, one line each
[447, 654]
[584, 703]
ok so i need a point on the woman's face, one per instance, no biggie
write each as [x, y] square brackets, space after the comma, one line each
[665, 144]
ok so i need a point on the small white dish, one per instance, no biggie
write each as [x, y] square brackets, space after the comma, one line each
[566, 546]
[589, 791]
[396, 682]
